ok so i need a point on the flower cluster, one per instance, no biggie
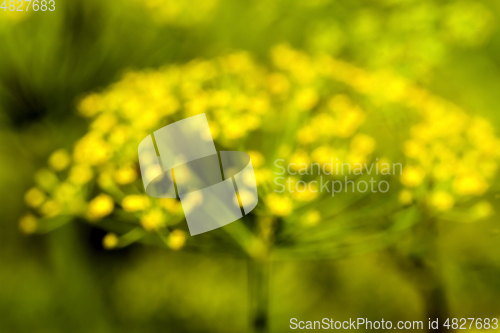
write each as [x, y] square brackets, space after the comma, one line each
[451, 156]
[300, 107]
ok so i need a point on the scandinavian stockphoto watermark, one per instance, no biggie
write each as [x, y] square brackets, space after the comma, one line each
[366, 324]
[179, 161]
[355, 177]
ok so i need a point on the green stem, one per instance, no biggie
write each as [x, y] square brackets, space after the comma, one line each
[421, 266]
[258, 282]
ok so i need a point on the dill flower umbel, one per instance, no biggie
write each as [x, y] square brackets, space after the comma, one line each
[291, 109]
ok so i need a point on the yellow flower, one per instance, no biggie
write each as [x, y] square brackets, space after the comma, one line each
[257, 158]
[34, 197]
[65, 193]
[307, 193]
[356, 160]
[282, 56]
[307, 134]
[442, 200]
[279, 205]
[234, 129]
[133, 203]
[220, 99]
[176, 239]
[349, 122]
[348, 116]
[104, 123]
[214, 130]
[323, 124]
[28, 224]
[100, 206]
[340, 103]
[312, 218]
[299, 160]
[59, 160]
[488, 168]
[106, 179]
[323, 154]
[240, 102]
[46, 179]
[482, 209]
[278, 83]
[170, 205]
[395, 88]
[50, 208]
[470, 184]
[251, 121]
[442, 171]
[125, 175]
[362, 144]
[119, 135]
[405, 197]
[306, 99]
[92, 149]
[196, 105]
[90, 105]
[80, 174]
[259, 105]
[239, 62]
[153, 220]
[412, 176]
[110, 241]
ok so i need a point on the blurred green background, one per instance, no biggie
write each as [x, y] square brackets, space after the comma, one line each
[412, 262]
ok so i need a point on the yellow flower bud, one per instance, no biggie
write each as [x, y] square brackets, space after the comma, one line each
[59, 160]
[28, 224]
[100, 206]
[80, 174]
[153, 220]
[34, 197]
[405, 197]
[279, 205]
[133, 203]
[176, 239]
[306, 99]
[442, 201]
[482, 209]
[412, 176]
[50, 208]
[312, 218]
[362, 144]
[469, 184]
[257, 158]
[110, 241]
[125, 175]
[90, 105]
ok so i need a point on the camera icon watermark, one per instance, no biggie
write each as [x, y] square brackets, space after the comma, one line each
[179, 161]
